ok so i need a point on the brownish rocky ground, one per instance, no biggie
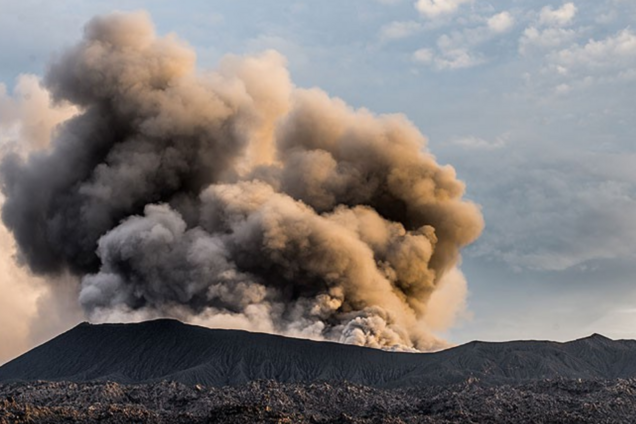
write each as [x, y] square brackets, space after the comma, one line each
[548, 401]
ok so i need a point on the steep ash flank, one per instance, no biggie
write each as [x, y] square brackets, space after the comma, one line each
[589, 358]
[169, 350]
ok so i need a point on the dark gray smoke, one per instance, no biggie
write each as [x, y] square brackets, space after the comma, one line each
[234, 198]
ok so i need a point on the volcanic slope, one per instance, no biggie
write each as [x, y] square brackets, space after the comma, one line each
[170, 350]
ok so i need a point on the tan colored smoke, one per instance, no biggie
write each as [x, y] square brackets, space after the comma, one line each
[235, 199]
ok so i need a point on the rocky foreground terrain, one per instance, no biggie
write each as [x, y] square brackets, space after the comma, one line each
[168, 372]
[548, 401]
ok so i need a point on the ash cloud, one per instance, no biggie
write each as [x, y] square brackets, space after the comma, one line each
[233, 198]
[31, 311]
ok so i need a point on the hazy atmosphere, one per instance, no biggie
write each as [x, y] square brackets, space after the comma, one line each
[433, 171]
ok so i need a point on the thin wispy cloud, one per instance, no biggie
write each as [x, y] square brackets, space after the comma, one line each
[478, 143]
[534, 38]
[437, 8]
[399, 29]
[459, 49]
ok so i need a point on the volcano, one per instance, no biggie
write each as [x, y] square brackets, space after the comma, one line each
[168, 350]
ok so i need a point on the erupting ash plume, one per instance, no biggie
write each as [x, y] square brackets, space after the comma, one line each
[233, 198]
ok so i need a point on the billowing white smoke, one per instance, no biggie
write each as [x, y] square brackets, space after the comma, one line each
[232, 198]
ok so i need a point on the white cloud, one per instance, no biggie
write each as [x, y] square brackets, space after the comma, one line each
[501, 22]
[456, 50]
[549, 38]
[424, 56]
[448, 60]
[448, 57]
[558, 17]
[612, 52]
[598, 62]
[436, 8]
[399, 29]
[458, 59]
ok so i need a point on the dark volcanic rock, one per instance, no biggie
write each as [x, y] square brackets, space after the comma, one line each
[169, 350]
[560, 401]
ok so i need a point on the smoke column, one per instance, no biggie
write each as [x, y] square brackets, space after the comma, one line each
[32, 310]
[233, 198]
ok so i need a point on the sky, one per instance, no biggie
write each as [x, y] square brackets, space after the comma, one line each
[530, 101]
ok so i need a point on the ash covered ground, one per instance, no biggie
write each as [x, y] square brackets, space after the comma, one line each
[547, 401]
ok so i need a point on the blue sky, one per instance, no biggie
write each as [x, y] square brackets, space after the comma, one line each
[531, 102]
